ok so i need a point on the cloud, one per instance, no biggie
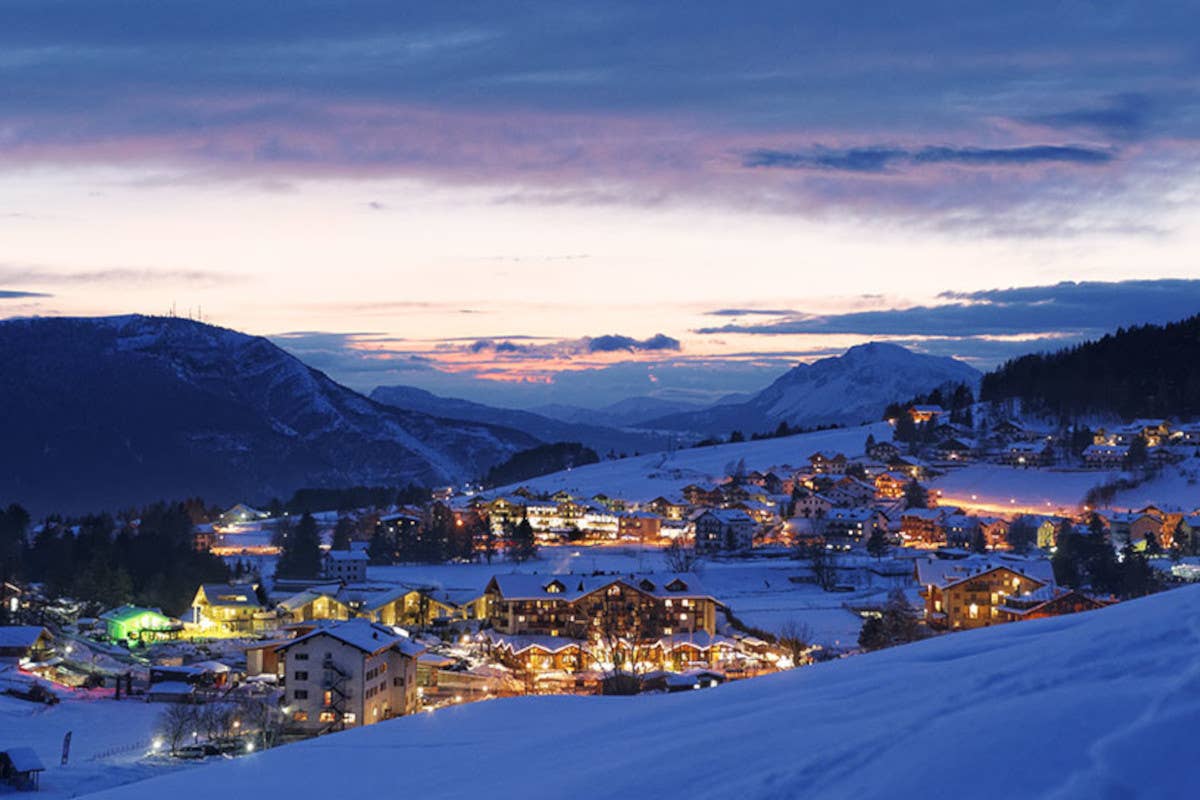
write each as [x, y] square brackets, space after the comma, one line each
[882, 159]
[9, 294]
[747, 312]
[1080, 308]
[11, 273]
[614, 343]
[1123, 118]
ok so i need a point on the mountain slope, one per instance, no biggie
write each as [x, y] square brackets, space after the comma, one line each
[600, 439]
[110, 411]
[1147, 371]
[630, 412]
[1098, 704]
[847, 389]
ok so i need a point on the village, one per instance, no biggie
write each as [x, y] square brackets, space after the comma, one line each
[548, 592]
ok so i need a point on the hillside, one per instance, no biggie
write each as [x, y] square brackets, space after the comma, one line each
[630, 412]
[1146, 371]
[852, 388]
[600, 438]
[99, 413]
[643, 478]
[1100, 704]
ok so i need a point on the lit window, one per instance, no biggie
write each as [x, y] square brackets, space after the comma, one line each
[973, 611]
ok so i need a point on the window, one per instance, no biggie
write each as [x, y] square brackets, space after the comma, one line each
[973, 611]
[300, 694]
[328, 698]
[398, 681]
[327, 716]
[301, 656]
[300, 676]
[348, 718]
[300, 716]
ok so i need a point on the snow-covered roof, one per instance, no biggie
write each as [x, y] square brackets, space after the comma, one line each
[347, 555]
[20, 635]
[23, 759]
[947, 572]
[362, 635]
[231, 594]
[569, 587]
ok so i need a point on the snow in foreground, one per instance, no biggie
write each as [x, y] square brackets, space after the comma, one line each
[1103, 704]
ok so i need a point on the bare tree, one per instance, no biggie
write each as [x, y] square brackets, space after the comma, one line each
[680, 558]
[619, 641]
[216, 720]
[823, 566]
[796, 638]
[176, 723]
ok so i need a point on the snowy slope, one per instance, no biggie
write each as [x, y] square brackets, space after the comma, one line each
[1102, 704]
[106, 412]
[848, 389]
[643, 478]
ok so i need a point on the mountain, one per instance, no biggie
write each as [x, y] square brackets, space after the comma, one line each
[1099, 704]
[98, 413]
[628, 413]
[599, 438]
[847, 389]
[1146, 371]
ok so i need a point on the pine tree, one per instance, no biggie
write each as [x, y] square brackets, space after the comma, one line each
[524, 544]
[877, 543]
[341, 533]
[915, 495]
[301, 554]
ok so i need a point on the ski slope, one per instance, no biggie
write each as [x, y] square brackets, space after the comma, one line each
[1102, 704]
[642, 478]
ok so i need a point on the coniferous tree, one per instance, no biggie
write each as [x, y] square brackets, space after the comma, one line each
[877, 543]
[301, 554]
[524, 544]
[342, 533]
[915, 495]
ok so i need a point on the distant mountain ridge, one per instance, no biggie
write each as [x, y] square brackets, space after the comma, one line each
[104, 412]
[852, 388]
[598, 437]
[628, 413]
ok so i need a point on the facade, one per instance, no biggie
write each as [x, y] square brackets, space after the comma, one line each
[1049, 601]
[220, 608]
[922, 526]
[723, 529]
[828, 463]
[844, 528]
[972, 594]
[1105, 456]
[890, 485]
[25, 642]
[135, 624]
[349, 674]
[348, 566]
[640, 525]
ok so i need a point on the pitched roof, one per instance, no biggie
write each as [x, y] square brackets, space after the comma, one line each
[362, 635]
[20, 635]
[23, 759]
[570, 587]
[231, 594]
[946, 572]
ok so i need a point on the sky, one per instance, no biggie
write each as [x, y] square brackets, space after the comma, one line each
[578, 202]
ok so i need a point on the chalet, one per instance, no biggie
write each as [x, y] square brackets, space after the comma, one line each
[504, 511]
[844, 528]
[220, 608]
[387, 605]
[126, 624]
[922, 527]
[1027, 454]
[643, 526]
[1105, 456]
[883, 451]
[890, 485]
[701, 496]
[581, 606]
[828, 463]
[811, 504]
[960, 529]
[349, 674]
[1133, 527]
[25, 643]
[21, 768]
[675, 510]
[768, 481]
[348, 566]
[956, 449]
[723, 529]
[240, 514]
[1048, 601]
[911, 466]
[925, 413]
[971, 593]
[995, 532]
[1009, 431]
[850, 491]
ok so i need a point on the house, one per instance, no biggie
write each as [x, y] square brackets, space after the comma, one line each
[349, 674]
[812, 504]
[922, 526]
[960, 529]
[890, 485]
[25, 643]
[391, 604]
[220, 608]
[1133, 527]
[828, 463]
[673, 509]
[1049, 601]
[723, 529]
[850, 491]
[921, 414]
[136, 624]
[1027, 454]
[21, 768]
[348, 566]
[884, 451]
[971, 593]
[956, 449]
[1105, 456]
[582, 606]
[995, 532]
[642, 526]
[240, 514]
[844, 528]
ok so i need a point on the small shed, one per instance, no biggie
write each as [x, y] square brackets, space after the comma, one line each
[21, 767]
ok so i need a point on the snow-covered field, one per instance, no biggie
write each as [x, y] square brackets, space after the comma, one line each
[109, 740]
[993, 488]
[757, 590]
[643, 478]
[1101, 704]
